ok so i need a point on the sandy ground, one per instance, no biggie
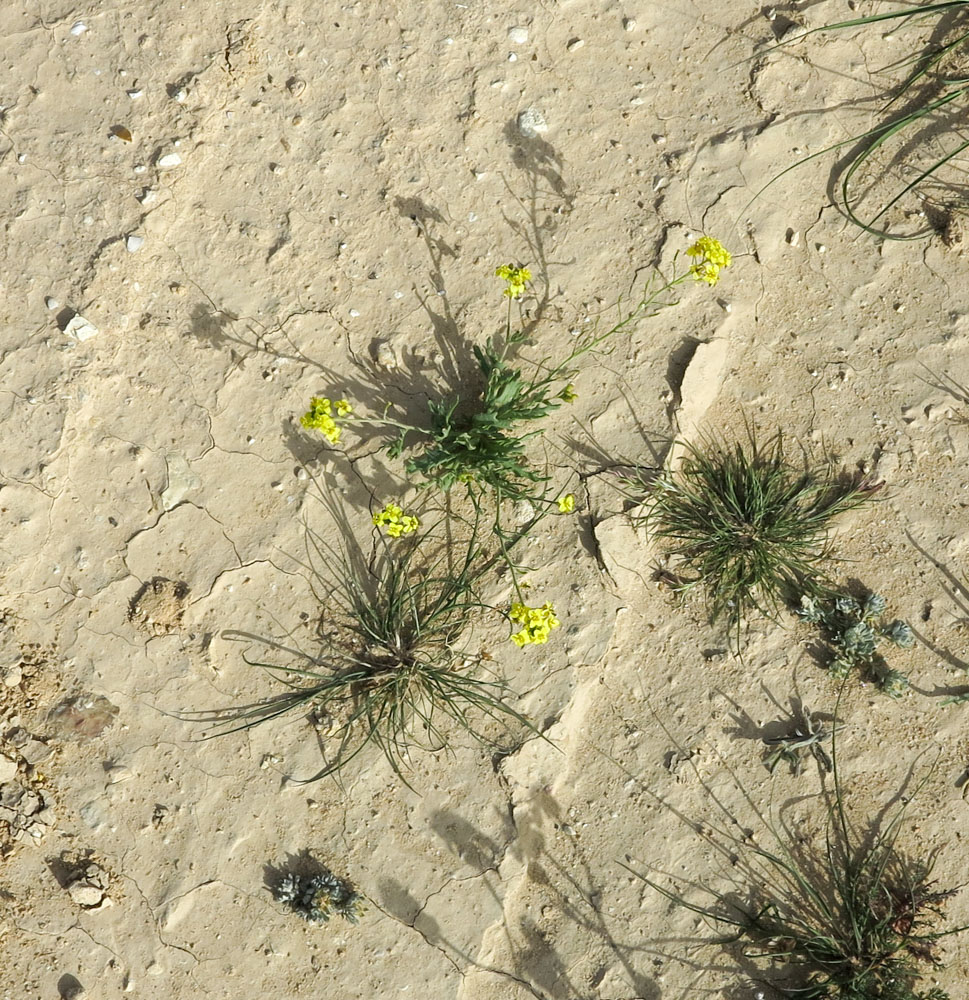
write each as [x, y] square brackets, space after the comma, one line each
[249, 202]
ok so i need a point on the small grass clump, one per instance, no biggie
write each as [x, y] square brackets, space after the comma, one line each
[858, 919]
[853, 631]
[752, 529]
[392, 669]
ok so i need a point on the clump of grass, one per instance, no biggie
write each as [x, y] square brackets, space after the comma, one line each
[926, 133]
[392, 669]
[853, 630]
[858, 919]
[751, 528]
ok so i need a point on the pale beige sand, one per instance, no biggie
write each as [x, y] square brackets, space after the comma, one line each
[283, 249]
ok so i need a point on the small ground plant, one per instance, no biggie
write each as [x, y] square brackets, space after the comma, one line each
[856, 919]
[319, 896]
[853, 630]
[751, 528]
[392, 669]
[807, 734]
[486, 440]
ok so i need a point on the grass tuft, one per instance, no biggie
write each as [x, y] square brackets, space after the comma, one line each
[392, 669]
[752, 529]
[858, 919]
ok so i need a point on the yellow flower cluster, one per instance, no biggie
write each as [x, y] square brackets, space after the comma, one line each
[395, 522]
[516, 278]
[568, 394]
[320, 417]
[536, 622]
[566, 503]
[711, 256]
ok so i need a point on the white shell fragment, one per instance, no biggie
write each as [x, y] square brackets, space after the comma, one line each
[81, 329]
[78, 28]
[134, 243]
[531, 122]
[169, 160]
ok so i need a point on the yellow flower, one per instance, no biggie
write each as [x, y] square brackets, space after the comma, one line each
[516, 278]
[568, 394]
[711, 256]
[320, 417]
[566, 503]
[536, 622]
[395, 522]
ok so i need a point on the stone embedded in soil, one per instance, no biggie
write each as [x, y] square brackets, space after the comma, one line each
[8, 769]
[82, 717]
[531, 123]
[86, 894]
[81, 329]
[169, 160]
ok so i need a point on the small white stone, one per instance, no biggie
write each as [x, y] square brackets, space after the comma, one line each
[523, 511]
[147, 196]
[531, 122]
[169, 160]
[134, 94]
[518, 36]
[512, 57]
[354, 313]
[180, 95]
[51, 302]
[78, 28]
[575, 43]
[8, 769]
[21, 157]
[629, 23]
[384, 355]
[12, 677]
[793, 237]
[134, 243]
[821, 248]
[85, 894]
[81, 329]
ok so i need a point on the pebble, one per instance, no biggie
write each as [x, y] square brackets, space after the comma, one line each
[134, 243]
[384, 355]
[180, 95]
[518, 35]
[793, 237]
[629, 24]
[78, 28]
[14, 675]
[169, 160]
[531, 123]
[8, 769]
[134, 94]
[51, 302]
[575, 43]
[85, 894]
[523, 511]
[71, 990]
[147, 196]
